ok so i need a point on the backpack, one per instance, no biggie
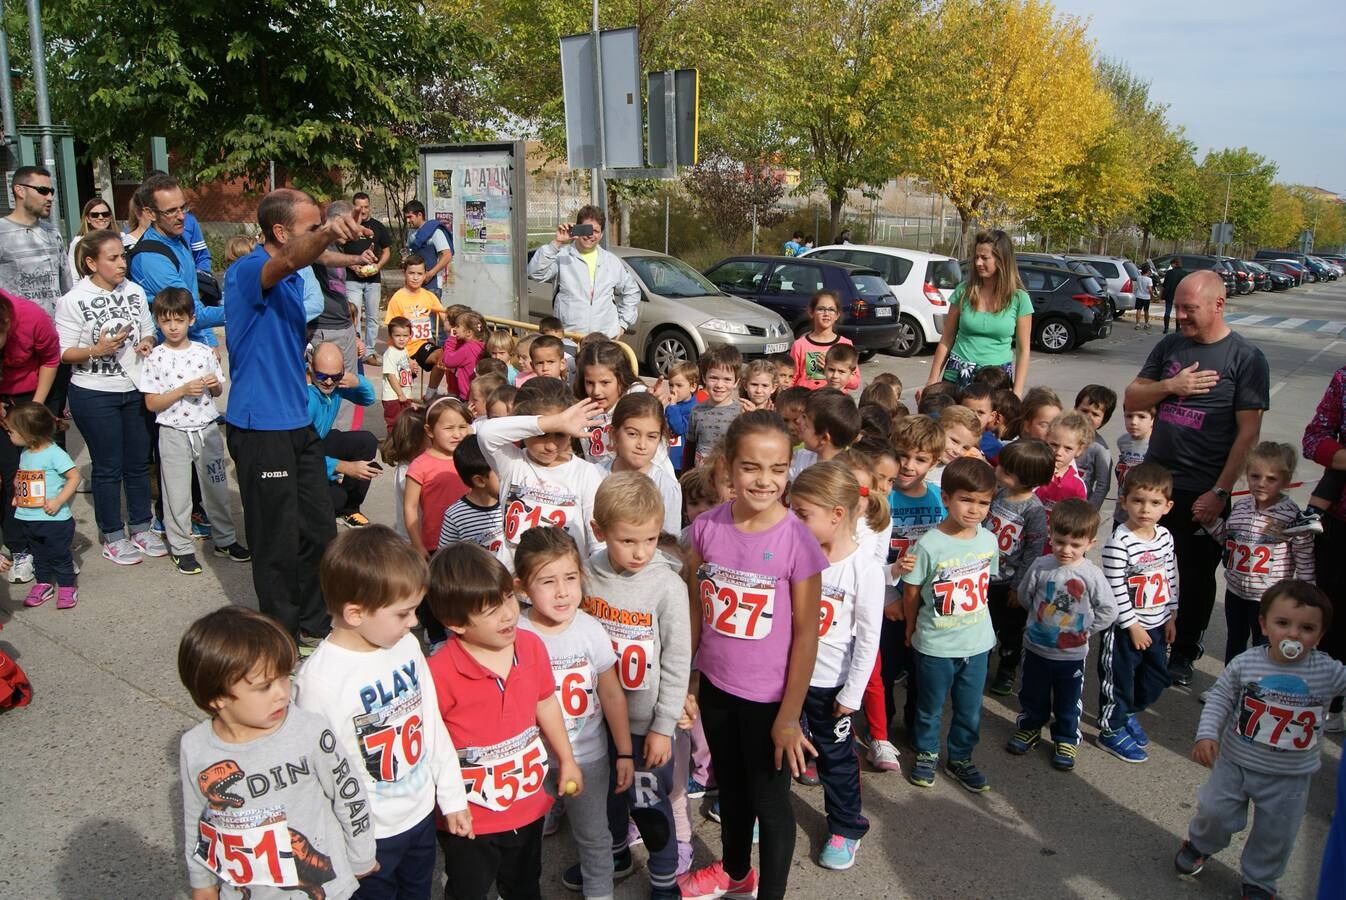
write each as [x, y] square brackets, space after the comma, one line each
[420, 242]
[15, 688]
[207, 288]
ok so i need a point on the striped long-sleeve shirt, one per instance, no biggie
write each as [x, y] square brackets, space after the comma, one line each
[1257, 553]
[1267, 715]
[1143, 575]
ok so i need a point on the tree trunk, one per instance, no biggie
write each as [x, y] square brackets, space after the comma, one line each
[624, 217]
[1144, 244]
[834, 202]
[965, 215]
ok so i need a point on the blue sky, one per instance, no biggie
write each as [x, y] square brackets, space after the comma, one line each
[1242, 73]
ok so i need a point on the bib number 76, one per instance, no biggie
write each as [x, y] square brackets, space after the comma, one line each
[388, 748]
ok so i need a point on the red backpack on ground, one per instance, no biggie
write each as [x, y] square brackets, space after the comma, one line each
[15, 688]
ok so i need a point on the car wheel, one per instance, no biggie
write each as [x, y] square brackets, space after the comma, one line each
[1055, 335]
[910, 339]
[668, 348]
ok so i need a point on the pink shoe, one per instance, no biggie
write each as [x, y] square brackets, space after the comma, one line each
[38, 594]
[712, 881]
[66, 597]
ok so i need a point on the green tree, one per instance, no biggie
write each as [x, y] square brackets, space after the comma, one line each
[1284, 219]
[1172, 203]
[1241, 179]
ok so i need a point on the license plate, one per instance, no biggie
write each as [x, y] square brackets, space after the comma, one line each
[883, 312]
[776, 348]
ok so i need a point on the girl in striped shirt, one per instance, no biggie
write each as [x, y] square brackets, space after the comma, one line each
[1257, 552]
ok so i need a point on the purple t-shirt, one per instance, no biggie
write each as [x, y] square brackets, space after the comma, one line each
[746, 609]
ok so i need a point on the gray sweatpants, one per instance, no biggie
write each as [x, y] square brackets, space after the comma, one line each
[588, 818]
[179, 451]
[1222, 812]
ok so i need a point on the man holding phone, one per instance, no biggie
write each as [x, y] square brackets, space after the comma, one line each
[595, 291]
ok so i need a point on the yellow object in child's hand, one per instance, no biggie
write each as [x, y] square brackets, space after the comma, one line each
[571, 788]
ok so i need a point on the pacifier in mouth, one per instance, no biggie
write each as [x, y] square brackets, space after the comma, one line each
[1291, 649]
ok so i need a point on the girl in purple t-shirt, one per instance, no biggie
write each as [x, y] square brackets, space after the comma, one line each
[755, 596]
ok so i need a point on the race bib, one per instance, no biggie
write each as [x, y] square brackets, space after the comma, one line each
[598, 442]
[575, 685]
[530, 508]
[634, 657]
[1249, 559]
[1008, 532]
[961, 596]
[1148, 589]
[1276, 720]
[829, 604]
[391, 739]
[421, 329]
[736, 604]
[405, 377]
[248, 847]
[30, 488]
[499, 776]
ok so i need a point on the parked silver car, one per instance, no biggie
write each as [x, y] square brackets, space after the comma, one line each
[681, 313]
[1119, 274]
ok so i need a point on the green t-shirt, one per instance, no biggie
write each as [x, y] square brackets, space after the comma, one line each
[954, 575]
[984, 338]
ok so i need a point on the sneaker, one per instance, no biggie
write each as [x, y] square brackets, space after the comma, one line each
[968, 775]
[922, 772]
[39, 593]
[809, 777]
[1122, 745]
[1003, 683]
[354, 520]
[1189, 861]
[883, 756]
[1147, 326]
[695, 789]
[713, 881]
[1138, 734]
[66, 597]
[838, 853]
[149, 543]
[200, 525]
[157, 526]
[1023, 740]
[714, 812]
[235, 551]
[1180, 670]
[1064, 756]
[187, 563]
[371, 359]
[1256, 892]
[1138, 326]
[21, 569]
[684, 858]
[1333, 723]
[622, 865]
[122, 552]
[307, 644]
[633, 836]
[1309, 521]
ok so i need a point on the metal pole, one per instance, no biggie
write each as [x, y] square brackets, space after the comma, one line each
[665, 223]
[1228, 183]
[598, 187]
[7, 102]
[754, 229]
[38, 51]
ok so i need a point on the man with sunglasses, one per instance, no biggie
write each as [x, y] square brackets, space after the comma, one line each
[32, 254]
[351, 465]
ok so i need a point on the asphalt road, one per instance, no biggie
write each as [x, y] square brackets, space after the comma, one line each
[90, 803]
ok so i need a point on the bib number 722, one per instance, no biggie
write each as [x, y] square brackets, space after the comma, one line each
[1149, 590]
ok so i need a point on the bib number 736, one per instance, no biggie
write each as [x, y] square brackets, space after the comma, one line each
[963, 595]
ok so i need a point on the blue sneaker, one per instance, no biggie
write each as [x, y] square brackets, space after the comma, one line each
[922, 772]
[1137, 733]
[1023, 740]
[1063, 759]
[200, 526]
[838, 853]
[966, 773]
[1122, 745]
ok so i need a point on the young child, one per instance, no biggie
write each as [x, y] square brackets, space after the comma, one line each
[588, 690]
[433, 483]
[883, 395]
[547, 357]
[464, 347]
[1006, 410]
[873, 523]
[1067, 600]
[491, 664]
[1069, 435]
[1259, 737]
[841, 367]
[809, 352]
[367, 679]
[311, 831]
[1039, 409]
[683, 380]
[637, 433]
[398, 377]
[915, 507]
[709, 422]
[500, 402]
[1131, 449]
[521, 359]
[698, 495]
[994, 377]
[1141, 567]
[1096, 403]
[962, 433]
[948, 626]
[479, 395]
[790, 404]
[500, 345]
[403, 444]
[474, 518]
[44, 485]
[830, 424]
[785, 370]
[1019, 523]
[759, 383]
[542, 484]
[181, 379]
[637, 595]
[423, 310]
[978, 397]
[826, 498]
[1257, 551]
[605, 376]
[754, 602]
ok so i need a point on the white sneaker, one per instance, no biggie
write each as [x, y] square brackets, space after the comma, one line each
[122, 552]
[1334, 723]
[22, 569]
[149, 543]
[883, 756]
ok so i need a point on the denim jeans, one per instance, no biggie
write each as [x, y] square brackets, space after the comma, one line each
[961, 679]
[366, 297]
[115, 429]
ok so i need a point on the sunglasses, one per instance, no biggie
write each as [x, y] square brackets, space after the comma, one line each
[41, 189]
[100, 215]
[326, 376]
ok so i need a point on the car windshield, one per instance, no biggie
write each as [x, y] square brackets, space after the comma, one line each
[871, 286]
[670, 277]
[945, 274]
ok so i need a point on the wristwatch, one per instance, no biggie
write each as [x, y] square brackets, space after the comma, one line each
[1221, 493]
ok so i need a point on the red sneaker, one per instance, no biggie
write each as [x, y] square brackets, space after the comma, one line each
[712, 881]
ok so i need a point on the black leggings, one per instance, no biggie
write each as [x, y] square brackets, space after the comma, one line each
[1241, 625]
[738, 732]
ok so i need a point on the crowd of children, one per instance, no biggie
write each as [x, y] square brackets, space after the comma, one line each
[634, 596]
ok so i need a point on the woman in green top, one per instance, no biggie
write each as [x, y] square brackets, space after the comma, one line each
[990, 318]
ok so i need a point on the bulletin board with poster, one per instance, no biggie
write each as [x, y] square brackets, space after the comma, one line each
[478, 191]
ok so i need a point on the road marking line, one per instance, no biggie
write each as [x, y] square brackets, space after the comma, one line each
[1291, 323]
[1251, 320]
